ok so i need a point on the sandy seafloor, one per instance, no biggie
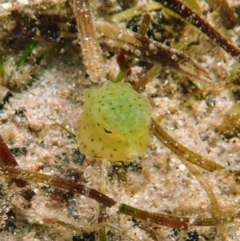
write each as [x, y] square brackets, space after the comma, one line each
[157, 182]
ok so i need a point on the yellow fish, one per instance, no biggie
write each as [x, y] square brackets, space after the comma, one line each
[115, 122]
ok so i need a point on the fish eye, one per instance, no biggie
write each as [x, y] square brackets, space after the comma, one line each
[107, 131]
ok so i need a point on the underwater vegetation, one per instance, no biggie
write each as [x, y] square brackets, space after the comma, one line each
[154, 91]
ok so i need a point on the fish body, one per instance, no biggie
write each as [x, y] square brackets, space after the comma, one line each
[115, 122]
